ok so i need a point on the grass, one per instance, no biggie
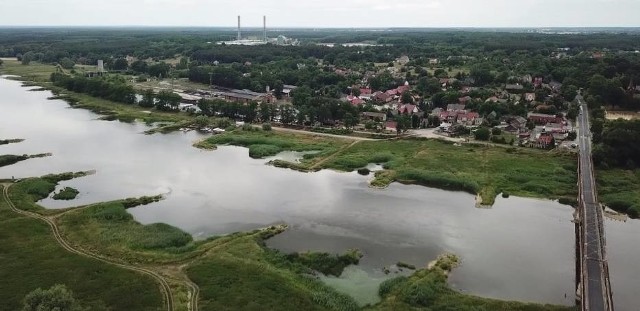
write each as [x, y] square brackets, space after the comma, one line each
[483, 170]
[268, 143]
[38, 261]
[427, 289]
[618, 189]
[109, 229]
[477, 169]
[241, 274]
[325, 263]
[31, 190]
[36, 72]
[67, 194]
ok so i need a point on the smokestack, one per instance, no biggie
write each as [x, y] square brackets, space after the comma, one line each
[239, 34]
[264, 22]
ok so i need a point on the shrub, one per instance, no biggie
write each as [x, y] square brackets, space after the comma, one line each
[364, 171]
[389, 285]
[67, 193]
[266, 127]
[261, 151]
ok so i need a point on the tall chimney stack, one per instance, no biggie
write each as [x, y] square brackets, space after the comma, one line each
[239, 34]
[264, 22]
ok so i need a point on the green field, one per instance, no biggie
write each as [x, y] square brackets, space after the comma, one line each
[268, 143]
[31, 258]
[619, 190]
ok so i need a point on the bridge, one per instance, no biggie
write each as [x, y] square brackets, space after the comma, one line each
[593, 287]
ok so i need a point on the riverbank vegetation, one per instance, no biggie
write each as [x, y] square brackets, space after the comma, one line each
[618, 189]
[477, 169]
[31, 190]
[39, 262]
[10, 141]
[9, 159]
[427, 289]
[269, 143]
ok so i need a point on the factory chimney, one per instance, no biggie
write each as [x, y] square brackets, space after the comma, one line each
[264, 23]
[239, 34]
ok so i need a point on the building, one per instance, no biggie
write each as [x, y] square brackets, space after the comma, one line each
[374, 116]
[540, 118]
[245, 96]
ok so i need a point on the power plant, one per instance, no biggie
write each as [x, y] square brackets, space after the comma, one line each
[258, 40]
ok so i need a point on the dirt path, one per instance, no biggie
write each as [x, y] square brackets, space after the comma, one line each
[166, 289]
[323, 161]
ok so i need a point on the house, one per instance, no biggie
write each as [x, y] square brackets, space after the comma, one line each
[357, 101]
[530, 97]
[464, 100]
[391, 125]
[544, 141]
[514, 87]
[374, 116]
[287, 89]
[433, 61]
[541, 118]
[455, 107]
[555, 85]
[537, 82]
[467, 118]
[403, 60]
[382, 97]
[448, 116]
[408, 109]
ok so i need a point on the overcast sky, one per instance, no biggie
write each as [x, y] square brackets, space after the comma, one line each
[323, 13]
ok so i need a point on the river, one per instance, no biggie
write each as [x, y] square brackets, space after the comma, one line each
[521, 249]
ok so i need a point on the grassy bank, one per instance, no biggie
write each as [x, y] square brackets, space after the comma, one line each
[38, 74]
[618, 189]
[269, 143]
[9, 159]
[241, 274]
[475, 169]
[38, 261]
[31, 190]
[10, 141]
[427, 289]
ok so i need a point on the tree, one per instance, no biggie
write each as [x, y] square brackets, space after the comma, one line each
[201, 121]
[139, 66]
[482, 133]
[120, 64]
[350, 120]
[404, 123]
[496, 131]
[1, 62]
[159, 70]
[56, 298]
[167, 101]
[27, 58]
[66, 63]
[148, 99]
[287, 115]
[407, 98]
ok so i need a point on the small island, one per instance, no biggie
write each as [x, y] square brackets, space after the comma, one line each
[66, 194]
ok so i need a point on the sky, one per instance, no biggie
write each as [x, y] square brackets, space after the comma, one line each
[323, 13]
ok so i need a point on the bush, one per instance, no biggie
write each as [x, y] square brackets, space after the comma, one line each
[67, 193]
[496, 131]
[389, 285]
[56, 298]
[260, 151]
[325, 263]
[505, 195]
[482, 133]
[266, 127]
[364, 171]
